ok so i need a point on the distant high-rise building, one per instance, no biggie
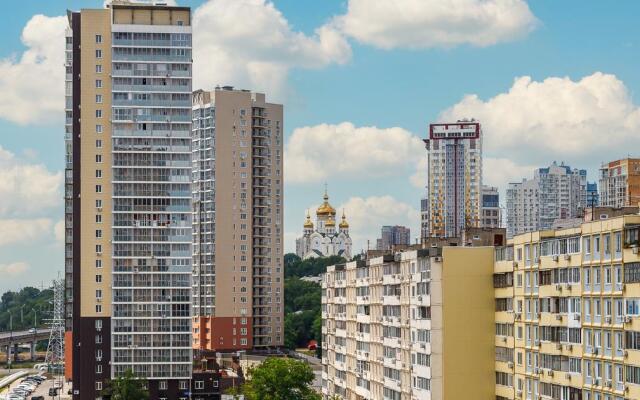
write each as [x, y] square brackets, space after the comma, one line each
[393, 235]
[491, 214]
[237, 220]
[455, 177]
[620, 183]
[424, 218]
[322, 239]
[556, 192]
[593, 198]
[128, 199]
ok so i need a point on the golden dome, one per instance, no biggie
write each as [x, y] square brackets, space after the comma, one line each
[330, 222]
[344, 223]
[325, 208]
[307, 222]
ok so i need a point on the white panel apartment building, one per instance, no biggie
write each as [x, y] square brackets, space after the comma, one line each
[555, 192]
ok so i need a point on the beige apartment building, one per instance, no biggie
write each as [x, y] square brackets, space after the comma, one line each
[567, 304]
[411, 325]
[237, 183]
[620, 183]
[127, 197]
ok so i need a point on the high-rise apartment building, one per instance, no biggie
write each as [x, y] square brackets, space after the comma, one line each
[620, 183]
[424, 218]
[414, 325]
[567, 319]
[237, 221]
[128, 197]
[455, 177]
[490, 214]
[393, 235]
[555, 192]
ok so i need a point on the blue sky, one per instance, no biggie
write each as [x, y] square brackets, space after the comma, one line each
[356, 101]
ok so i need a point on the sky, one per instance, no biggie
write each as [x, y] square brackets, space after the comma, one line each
[360, 81]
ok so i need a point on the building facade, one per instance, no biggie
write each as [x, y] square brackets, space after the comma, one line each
[455, 177]
[620, 183]
[424, 218]
[556, 192]
[390, 321]
[567, 313]
[322, 239]
[128, 200]
[237, 221]
[392, 236]
[491, 213]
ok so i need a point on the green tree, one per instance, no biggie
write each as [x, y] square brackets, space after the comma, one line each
[294, 266]
[280, 379]
[317, 333]
[126, 387]
[28, 306]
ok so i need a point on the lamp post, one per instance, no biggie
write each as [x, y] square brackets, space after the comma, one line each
[9, 350]
[22, 314]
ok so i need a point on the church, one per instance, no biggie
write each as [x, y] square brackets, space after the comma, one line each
[322, 239]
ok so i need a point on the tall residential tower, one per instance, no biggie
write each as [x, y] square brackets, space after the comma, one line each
[620, 183]
[555, 192]
[237, 221]
[455, 177]
[128, 199]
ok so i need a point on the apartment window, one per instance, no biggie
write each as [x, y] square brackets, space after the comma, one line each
[198, 385]
[98, 113]
[98, 53]
[98, 248]
[98, 158]
[162, 385]
[99, 144]
[98, 83]
[98, 38]
[98, 278]
[98, 128]
[99, 71]
[98, 188]
[98, 294]
[98, 98]
[99, 203]
[98, 311]
[243, 341]
[183, 385]
[98, 263]
[98, 233]
[98, 219]
[98, 386]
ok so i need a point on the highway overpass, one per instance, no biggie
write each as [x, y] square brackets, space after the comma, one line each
[9, 341]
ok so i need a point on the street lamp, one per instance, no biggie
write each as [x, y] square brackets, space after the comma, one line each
[22, 315]
[9, 352]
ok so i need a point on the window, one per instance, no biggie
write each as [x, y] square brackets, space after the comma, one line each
[98, 98]
[632, 272]
[98, 263]
[98, 113]
[504, 379]
[98, 278]
[98, 70]
[98, 311]
[98, 294]
[98, 219]
[98, 386]
[633, 374]
[98, 38]
[183, 385]
[98, 158]
[98, 53]
[99, 203]
[198, 385]
[98, 233]
[98, 188]
[99, 144]
[98, 128]
[98, 83]
[162, 385]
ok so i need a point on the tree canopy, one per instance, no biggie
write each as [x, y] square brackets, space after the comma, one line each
[35, 305]
[294, 266]
[280, 379]
[126, 387]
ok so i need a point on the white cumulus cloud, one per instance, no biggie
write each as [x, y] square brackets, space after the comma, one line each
[27, 189]
[418, 24]
[250, 44]
[583, 121]
[343, 150]
[366, 215]
[24, 231]
[14, 269]
[32, 84]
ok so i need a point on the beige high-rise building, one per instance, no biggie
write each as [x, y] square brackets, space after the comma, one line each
[238, 202]
[128, 199]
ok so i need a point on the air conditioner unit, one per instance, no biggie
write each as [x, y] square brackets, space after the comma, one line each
[609, 384]
[635, 250]
[419, 298]
[555, 258]
[438, 259]
[627, 319]
[626, 354]
[607, 320]
[519, 393]
[504, 339]
[569, 347]
[515, 264]
[99, 208]
[567, 376]
[518, 316]
[558, 346]
[559, 287]
[98, 358]
[558, 317]
[567, 257]
[567, 286]
[576, 317]
[550, 372]
[510, 365]
[536, 343]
